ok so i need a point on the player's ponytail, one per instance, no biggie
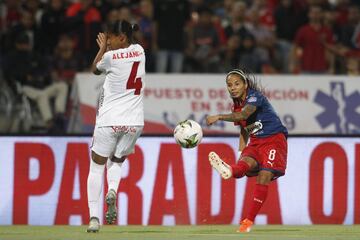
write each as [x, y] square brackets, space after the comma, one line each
[135, 27]
[124, 27]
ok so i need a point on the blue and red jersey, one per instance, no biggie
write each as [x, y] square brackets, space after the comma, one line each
[264, 121]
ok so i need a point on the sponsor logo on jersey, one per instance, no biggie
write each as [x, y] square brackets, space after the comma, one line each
[252, 99]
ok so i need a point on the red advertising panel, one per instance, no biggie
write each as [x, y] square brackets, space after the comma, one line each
[43, 182]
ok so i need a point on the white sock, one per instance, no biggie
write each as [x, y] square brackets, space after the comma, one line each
[94, 185]
[113, 175]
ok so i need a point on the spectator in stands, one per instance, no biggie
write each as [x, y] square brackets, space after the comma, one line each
[27, 26]
[224, 12]
[309, 54]
[355, 39]
[111, 17]
[264, 39]
[331, 23]
[237, 25]
[170, 22]
[353, 63]
[29, 70]
[352, 55]
[85, 22]
[65, 62]
[348, 29]
[36, 9]
[12, 14]
[52, 24]
[145, 35]
[251, 57]
[230, 55]
[341, 7]
[348, 17]
[323, 4]
[126, 14]
[205, 43]
[264, 8]
[288, 16]
[105, 6]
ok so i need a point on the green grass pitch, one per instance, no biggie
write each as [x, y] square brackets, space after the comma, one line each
[208, 232]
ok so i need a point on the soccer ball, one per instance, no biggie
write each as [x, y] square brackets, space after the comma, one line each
[188, 133]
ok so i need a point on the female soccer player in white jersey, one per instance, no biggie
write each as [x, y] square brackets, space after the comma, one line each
[120, 115]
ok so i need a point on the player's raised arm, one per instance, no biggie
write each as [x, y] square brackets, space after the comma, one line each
[234, 116]
[102, 43]
[238, 116]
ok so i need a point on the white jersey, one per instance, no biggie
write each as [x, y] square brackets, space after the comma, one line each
[121, 101]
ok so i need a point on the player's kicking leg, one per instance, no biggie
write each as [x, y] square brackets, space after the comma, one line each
[220, 166]
[226, 172]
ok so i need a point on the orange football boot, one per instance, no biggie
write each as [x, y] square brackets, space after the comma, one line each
[245, 226]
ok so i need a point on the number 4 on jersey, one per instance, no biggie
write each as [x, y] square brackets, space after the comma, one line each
[133, 82]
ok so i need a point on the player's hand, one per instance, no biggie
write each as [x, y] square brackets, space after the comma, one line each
[102, 41]
[211, 119]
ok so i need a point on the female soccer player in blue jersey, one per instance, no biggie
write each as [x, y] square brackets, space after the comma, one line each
[265, 154]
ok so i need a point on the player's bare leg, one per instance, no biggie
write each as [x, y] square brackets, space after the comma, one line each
[94, 186]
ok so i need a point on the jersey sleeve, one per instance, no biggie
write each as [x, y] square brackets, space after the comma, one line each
[255, 98]
[104, 64]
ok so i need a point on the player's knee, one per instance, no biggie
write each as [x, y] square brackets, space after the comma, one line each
[118, 160]
[97, 158]
[253, 173]
[264, 177]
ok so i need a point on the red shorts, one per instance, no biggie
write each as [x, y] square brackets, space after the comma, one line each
[269, 152]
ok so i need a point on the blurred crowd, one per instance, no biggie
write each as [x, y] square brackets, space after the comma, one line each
[45, 42]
